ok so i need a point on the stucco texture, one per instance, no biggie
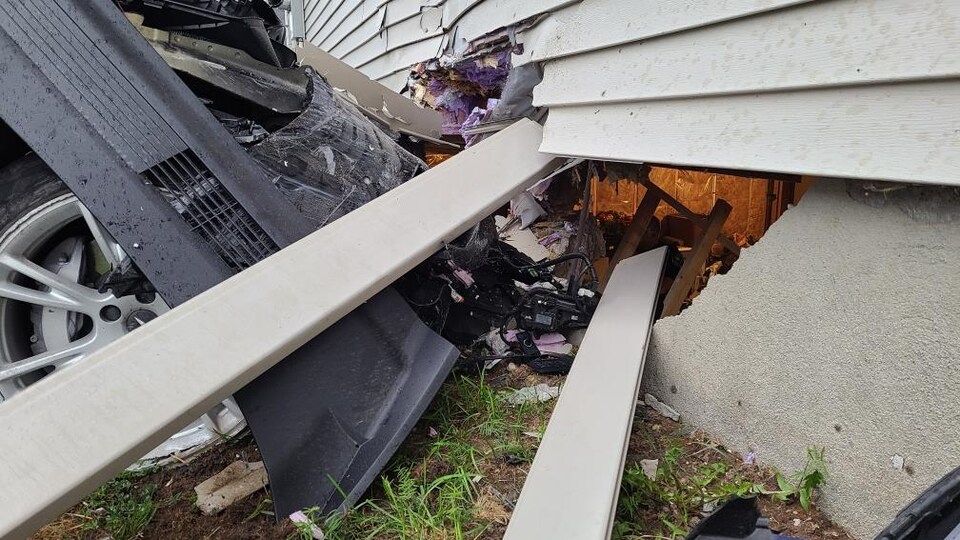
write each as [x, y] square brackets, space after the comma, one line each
[840, 329]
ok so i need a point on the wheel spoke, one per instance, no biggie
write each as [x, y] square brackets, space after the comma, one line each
[20, 293]
[112, 251]
[56, 359]
[78, 297]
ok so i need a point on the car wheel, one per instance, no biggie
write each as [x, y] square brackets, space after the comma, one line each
[52, 313]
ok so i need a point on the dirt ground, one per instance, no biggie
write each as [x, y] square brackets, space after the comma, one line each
[654, 435]
[177, 517]
[468, 431]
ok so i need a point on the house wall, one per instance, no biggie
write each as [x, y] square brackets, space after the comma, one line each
[843, 88]
[384, 38]
[839, 329]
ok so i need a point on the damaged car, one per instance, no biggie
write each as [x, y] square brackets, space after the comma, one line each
[152, 149]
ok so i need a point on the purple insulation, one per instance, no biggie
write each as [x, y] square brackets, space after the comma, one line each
[460, 89]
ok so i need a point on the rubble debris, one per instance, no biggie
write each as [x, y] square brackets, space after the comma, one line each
[649, 467]
[300, 517]
[522, 239]
[651, 401]
[533, 394]
[526, 207]
[455, 87]
[237, 481]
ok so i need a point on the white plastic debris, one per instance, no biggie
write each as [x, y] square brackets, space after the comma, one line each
[532, 394]
[495, 342]
[300, 517]
[649, 467]
[237, 481]
[898, 461]
[525, 206]
[661, 407]
[522, 239]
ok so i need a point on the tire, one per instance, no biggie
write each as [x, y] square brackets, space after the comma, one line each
[42, 223]
[26, 184]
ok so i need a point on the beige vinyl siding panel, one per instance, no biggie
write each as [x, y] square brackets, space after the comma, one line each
[317, 13]
[847, 88]
[475, 18]
[814, 45]
[346, 21]
[905, 132]
[405, 33]
[597, 24]
[400, 60]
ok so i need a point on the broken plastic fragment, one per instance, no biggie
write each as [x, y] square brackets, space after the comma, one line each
[533, 394]
[300, 517]
[661, 407]
[235, 482]
[649, 467]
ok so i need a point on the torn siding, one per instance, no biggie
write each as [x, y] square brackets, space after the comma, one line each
[850, 88]
[843, 88]
[384, 38]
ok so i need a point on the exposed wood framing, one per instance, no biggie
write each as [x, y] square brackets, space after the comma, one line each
[635, 231]
[699, 220]
[693, 265]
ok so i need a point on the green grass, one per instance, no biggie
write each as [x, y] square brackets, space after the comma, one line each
[430, 489]
[802, 484]
[682, 487]
[121, 507]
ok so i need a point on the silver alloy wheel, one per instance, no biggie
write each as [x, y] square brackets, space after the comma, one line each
[50, 316]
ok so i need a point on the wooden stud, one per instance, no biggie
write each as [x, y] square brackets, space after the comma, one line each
[698, 257]
[635, 231]
[685, 212]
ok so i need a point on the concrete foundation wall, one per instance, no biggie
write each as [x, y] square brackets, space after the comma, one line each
[841, 329]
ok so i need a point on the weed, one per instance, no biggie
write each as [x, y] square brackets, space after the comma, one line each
[431, 490]
[264, 508]
[680, 490]
[801, 484]
[121, 507]
[411, 506]
[676, 494]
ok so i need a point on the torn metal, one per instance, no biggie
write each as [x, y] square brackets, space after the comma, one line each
[331, 159]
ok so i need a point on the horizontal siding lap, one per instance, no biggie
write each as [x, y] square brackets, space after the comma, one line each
[818, 44]
[899, 132]
[598, 24]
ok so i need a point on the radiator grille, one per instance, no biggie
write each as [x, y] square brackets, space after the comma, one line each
[210, 210]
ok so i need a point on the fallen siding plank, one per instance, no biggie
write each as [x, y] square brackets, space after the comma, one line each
[56, 448]
[850, 42]
[599, 24]
[904, 132]
[571, 490]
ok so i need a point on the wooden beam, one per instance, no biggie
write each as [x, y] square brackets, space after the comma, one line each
[635, 231]
[694, 264]
[685, 212]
